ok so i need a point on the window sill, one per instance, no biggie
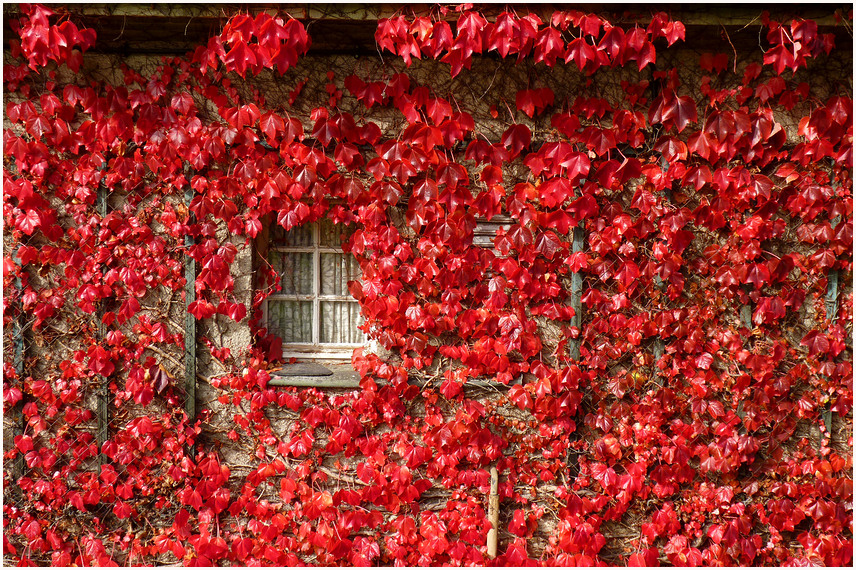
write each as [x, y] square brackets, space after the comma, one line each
[341, 375]
[314, 375]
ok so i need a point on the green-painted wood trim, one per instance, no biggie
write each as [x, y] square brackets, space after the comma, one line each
[746, 311]
[189, 322]
[18, 327]
[103, 412]
[577, 246]
[832, 295]
[832, 283]
[659, 347]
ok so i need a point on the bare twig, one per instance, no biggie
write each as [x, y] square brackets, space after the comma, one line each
[732, 47]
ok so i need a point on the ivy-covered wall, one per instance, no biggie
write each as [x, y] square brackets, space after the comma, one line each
[655, 356]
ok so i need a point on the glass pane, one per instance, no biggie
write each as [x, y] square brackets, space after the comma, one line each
[300, 236]
[339, 321]
[291, 320]
[336, 270]
[331, 234]
[296, 271]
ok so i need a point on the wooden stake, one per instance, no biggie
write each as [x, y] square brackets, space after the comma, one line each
[493, 513]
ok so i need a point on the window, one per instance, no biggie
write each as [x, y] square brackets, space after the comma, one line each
[313, 313]
[485, 231]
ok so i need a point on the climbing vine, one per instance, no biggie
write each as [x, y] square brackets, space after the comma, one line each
[692, 389]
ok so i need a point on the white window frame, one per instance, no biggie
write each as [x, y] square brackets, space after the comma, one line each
[316, 349]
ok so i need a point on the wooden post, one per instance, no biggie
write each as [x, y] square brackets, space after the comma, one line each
[577, 294]
[189, 321]
[832, 286]
[18, 326]
[659, 344]
[103, 432]
[746, 321]
[831, 315]
[746, 315]
[832, 295]
[577, 245]
[493, 514]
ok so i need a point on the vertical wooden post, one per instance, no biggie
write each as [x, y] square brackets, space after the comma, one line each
[104, 382]
[746, 321]
[832, 295]
[577, 293]
[577, 245]
[493, 514]
[832, 285]
[18, 326]
[659, 344]
[746, 311]
[831, 314]
[189, 321]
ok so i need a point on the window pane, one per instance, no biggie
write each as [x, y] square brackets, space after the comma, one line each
[330, 233]
[336, 270]
[295, 270]
[291, 320]
[339, 321]
[300, 236]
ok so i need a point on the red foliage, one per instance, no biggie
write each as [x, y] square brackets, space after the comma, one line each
[674, 410]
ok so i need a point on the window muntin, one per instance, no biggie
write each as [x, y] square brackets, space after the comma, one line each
[313, 312]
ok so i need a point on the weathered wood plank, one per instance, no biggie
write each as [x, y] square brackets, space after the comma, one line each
[303, 369]
[339, 380]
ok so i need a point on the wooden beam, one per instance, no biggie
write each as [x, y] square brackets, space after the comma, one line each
[832, 282]
[189, 321]
[103, 433]
[746, 312]
[577, 293]
[689, 14]
[659, 343]
[832, 295]
[175, 29]
[18, 327]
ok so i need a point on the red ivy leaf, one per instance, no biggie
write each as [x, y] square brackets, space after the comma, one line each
[684, 112]
[239, 58]
[816, 342]
[520, 397]
[549, 46]
[28, 222]
[580, 52]
[516, 138]
[518, 524]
